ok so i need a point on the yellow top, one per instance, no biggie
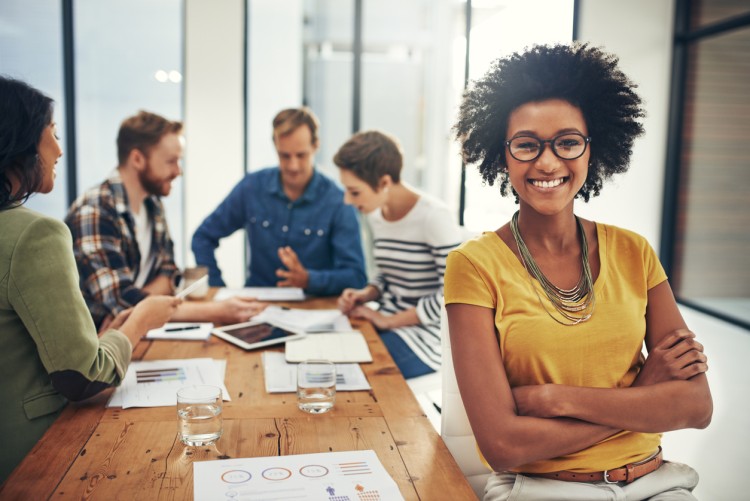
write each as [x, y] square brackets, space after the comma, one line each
[603, 352]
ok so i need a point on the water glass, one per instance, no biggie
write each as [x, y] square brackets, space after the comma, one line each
[199, 414]
[316, 386]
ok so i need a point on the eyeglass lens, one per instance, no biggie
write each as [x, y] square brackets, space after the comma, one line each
[566, 146]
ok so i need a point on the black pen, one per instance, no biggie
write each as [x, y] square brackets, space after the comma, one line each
[185, 328]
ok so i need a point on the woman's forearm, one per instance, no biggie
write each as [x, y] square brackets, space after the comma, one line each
[657, 408]
[527, 439]
[402, 319]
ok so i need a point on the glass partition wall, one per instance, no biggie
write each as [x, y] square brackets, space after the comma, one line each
[706, 231]
[395, 65]
[31, 50]
[127, 56]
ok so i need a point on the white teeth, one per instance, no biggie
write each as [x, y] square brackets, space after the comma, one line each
[547, 184]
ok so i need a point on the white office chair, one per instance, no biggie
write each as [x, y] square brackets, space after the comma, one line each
[455, 428]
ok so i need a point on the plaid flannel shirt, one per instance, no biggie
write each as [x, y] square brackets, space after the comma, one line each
[106, 249]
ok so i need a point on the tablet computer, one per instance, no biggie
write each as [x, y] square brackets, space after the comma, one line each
[256, 334]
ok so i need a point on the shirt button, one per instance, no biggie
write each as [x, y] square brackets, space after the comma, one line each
[285, 228]
[265, 224]
[289, 206]
[320, 233]
[308, 231]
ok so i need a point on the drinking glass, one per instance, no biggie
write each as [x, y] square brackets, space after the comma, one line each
[199, 414]
[316, 386]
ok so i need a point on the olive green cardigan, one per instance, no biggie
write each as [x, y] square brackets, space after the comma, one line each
[49, 349]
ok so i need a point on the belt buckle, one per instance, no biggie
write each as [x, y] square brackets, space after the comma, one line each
[606, 478]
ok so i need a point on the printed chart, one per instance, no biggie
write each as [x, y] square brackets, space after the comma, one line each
[158, 375]
[332, 476]
[154, 383]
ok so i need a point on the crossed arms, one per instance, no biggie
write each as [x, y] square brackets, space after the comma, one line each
[515, 426]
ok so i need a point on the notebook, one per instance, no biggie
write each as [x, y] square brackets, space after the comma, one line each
[338, 347]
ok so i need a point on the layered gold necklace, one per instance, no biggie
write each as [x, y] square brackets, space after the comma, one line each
[575, 305]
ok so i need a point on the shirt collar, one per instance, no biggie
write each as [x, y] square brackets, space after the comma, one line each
[310, 194]
[122, 204]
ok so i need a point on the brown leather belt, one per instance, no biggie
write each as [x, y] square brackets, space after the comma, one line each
[626, 473]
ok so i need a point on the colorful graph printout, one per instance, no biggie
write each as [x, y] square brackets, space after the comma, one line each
[331, 476]
[158, 375]
[154, 383]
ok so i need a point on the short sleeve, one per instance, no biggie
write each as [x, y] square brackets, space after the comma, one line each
[465, 284]
[655, 273]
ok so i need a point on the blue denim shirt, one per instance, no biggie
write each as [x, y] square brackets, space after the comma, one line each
[318, 226]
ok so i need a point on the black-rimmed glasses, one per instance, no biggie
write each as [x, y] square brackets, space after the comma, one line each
[567, 146]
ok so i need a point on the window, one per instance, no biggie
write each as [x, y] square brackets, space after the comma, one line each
[707, 187]
[499, 28]
[128, 57]
[31, 50]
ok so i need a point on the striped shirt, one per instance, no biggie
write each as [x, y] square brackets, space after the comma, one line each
[410, 259]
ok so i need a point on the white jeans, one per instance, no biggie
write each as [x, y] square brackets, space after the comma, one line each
[671, 482]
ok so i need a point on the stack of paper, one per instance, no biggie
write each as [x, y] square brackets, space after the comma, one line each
[262, 293]
[155, 383]
[281, 377]
[305, 320]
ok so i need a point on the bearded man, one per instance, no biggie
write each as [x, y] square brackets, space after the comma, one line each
[121, 239]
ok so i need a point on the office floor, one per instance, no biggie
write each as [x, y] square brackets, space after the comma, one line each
[721, 452]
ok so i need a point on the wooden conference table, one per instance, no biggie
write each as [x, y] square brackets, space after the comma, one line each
[94, 452]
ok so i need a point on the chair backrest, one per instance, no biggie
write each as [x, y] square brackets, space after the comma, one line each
[454, 424]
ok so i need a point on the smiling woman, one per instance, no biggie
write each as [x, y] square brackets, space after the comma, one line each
[549, 313]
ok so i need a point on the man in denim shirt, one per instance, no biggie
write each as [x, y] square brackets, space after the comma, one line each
[301, 234]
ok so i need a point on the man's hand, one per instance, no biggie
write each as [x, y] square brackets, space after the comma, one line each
[677, 358]
[161, 285]
[295, 275]
[236, 309]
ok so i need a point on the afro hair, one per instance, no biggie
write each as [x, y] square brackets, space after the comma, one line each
[582, 75]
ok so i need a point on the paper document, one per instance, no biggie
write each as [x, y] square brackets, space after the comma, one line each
[281, 377]
[194, 286]
[262, 293]
[334, 346]
[329, 476]
[306, 320]
[191, 331]
[155, 383]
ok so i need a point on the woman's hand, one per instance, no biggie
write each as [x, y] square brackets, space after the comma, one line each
[677, 357]
[352, 298]
[151, 313]
[116, 322]
[535, 400]
[380, 321]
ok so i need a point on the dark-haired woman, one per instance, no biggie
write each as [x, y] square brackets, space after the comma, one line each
[49, 349]
[548, 314]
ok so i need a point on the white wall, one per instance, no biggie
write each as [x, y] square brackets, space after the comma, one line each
[213, 119]
[640, 33]
[214, 104]
[275, 72]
